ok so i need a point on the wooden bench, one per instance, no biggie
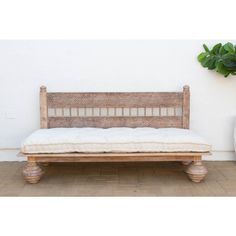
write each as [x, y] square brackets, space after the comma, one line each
[136, 109]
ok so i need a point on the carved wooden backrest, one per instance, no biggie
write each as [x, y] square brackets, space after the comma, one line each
[134, 109]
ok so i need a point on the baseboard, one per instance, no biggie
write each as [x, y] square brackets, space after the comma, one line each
[11, 155]
[221, 156]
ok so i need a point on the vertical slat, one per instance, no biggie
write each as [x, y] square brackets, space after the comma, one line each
[43, 108]
[186, 106]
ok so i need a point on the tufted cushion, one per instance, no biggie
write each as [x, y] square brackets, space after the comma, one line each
[65, 140]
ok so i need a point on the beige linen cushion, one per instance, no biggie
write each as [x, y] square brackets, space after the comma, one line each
[123, 139]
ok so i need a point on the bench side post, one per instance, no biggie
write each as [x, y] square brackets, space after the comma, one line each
[43, 108]
[186, 106]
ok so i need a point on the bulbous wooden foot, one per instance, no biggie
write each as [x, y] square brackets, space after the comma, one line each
[186, 163]
[196, 171]
[32, 172]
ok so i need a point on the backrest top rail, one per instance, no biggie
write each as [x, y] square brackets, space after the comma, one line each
[114, 100]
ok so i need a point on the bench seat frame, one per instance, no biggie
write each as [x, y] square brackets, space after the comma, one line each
[195, 170]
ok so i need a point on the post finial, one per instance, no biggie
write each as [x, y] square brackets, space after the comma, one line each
[43, 89]
[186, 87]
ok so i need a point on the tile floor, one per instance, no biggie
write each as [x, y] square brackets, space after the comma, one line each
[116, 179]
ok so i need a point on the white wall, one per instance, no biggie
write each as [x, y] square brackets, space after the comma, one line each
[112, 66]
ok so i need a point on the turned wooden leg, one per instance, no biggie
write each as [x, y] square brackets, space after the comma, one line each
[196, 171]
[32, 172]
[186, 163]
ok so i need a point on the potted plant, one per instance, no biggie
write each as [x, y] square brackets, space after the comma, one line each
[221, 58]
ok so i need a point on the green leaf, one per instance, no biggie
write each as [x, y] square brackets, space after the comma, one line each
[222, 51]
[229, 56]
[221, 68]
[230, 65]
[227, 74]
[212, 63]
[229, 61]
[215, 50]
[202, 56]
[206, 61]
[206, 48]
[229, 47]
